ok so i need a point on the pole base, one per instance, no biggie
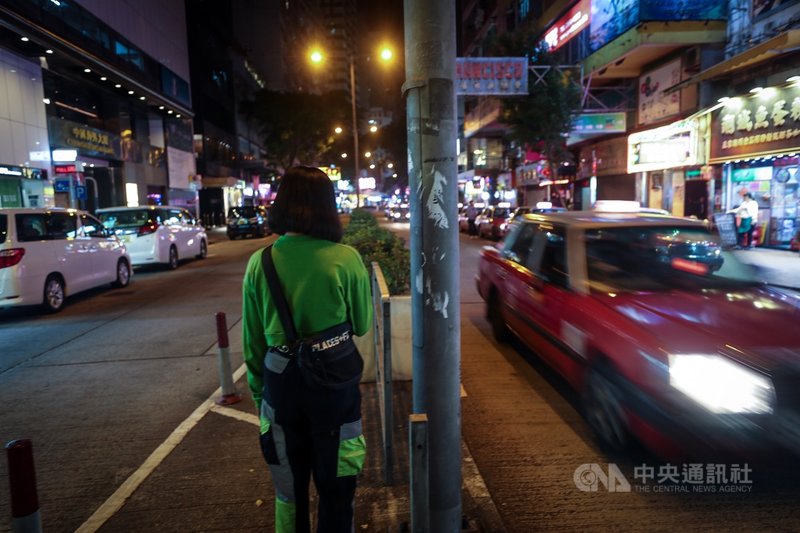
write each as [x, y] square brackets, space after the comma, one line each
[229, 399]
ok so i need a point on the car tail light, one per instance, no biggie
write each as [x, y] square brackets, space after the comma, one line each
[9, 258]
[147, 229]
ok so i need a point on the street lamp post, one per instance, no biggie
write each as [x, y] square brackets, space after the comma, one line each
[386, 55]
[355, 130]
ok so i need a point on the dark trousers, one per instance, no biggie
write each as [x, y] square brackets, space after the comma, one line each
[306, 431]
[473, 230]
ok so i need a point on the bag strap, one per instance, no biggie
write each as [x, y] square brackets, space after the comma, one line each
[281, 304]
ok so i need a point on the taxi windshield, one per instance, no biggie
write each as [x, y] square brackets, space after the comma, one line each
[660, 258]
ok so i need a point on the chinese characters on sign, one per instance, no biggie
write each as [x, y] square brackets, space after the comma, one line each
[568, 26]
[491, 75]
[766, 123]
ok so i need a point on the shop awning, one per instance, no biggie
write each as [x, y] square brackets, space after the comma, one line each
[785, 42]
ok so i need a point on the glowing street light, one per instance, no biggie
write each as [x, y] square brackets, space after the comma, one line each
[338, 129]
[367, 154]
[372, 166]
[386, 55]
[344, 155]
[390, 165]
[373, 129]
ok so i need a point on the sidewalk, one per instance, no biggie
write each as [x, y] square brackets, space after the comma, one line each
[208, 475]
[776, 267]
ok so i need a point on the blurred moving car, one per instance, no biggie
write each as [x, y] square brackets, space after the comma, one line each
[156, 234]
[247, 220]
[491, 222]
[668, 337]
[401, 213]
[47, 254]
[540, 207]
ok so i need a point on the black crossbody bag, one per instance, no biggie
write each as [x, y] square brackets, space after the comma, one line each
[328, 359]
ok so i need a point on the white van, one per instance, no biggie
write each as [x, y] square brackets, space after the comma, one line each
[47, 254]
[157, 234]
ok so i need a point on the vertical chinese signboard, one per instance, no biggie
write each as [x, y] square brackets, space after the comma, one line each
[767, 123]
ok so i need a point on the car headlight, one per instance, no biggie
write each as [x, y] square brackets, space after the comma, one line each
[503, 226]
[721, 385]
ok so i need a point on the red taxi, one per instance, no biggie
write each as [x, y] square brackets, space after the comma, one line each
[666, 335]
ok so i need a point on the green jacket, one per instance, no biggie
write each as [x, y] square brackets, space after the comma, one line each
[325, 283]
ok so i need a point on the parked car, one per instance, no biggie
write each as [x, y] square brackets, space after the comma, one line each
[156, 234]
[491, 222]
[48, 254]
[667, 336]
[247, 220]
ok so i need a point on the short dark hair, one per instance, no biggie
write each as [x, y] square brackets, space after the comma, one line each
[306, 203]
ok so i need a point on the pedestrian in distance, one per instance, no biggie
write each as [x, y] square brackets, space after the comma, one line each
[746, 220]
[472, 214]
[304, 297]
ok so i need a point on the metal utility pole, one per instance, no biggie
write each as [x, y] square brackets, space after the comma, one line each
[356, 155]
[435, 294]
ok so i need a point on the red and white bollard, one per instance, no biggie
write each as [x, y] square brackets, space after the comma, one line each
[229, 394]
[22, 480]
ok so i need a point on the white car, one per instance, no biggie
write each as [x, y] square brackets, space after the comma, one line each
[47, 254]
[157, 234]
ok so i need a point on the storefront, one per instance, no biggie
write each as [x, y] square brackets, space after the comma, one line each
[756, 141]
[24, 187]
[603, 173]
[667, 164]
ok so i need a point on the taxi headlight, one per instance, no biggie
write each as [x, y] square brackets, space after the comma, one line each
[721, 385]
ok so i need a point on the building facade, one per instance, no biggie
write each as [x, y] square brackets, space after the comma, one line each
[98, 104]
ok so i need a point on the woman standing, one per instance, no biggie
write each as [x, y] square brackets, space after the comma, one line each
[307, 429]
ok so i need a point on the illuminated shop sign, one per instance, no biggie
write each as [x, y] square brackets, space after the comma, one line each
[568, 26]
[491, 75]
[765, 123]
[592, 123]
[661, 148]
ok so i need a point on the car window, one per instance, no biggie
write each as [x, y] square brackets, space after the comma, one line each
[91, 227]
[660, 258]
[187, 217]
[3, 228]
[62, 226]
[127, 219]
[242, 212]
[501, 212]
[549, 255]
[173, 217]
[518, 246]
[31, 227]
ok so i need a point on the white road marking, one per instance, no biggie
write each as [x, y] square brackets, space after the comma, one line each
[115, 502]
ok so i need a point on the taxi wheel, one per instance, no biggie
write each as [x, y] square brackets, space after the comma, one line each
[53, 294]
[123, 274]
[203, 250]
[172, 262]
[603, 409]
[494, 312]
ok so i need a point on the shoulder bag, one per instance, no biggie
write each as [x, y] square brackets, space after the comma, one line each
[327, 359]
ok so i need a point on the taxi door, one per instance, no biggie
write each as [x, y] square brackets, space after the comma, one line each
[548, 301]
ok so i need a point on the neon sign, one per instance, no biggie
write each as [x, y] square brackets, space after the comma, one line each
[568, 26]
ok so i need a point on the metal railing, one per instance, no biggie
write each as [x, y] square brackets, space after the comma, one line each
[382, 340]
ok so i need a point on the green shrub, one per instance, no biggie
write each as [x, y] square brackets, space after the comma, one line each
[382, 246]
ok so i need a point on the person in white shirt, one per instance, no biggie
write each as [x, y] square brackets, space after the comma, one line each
[747, 214]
